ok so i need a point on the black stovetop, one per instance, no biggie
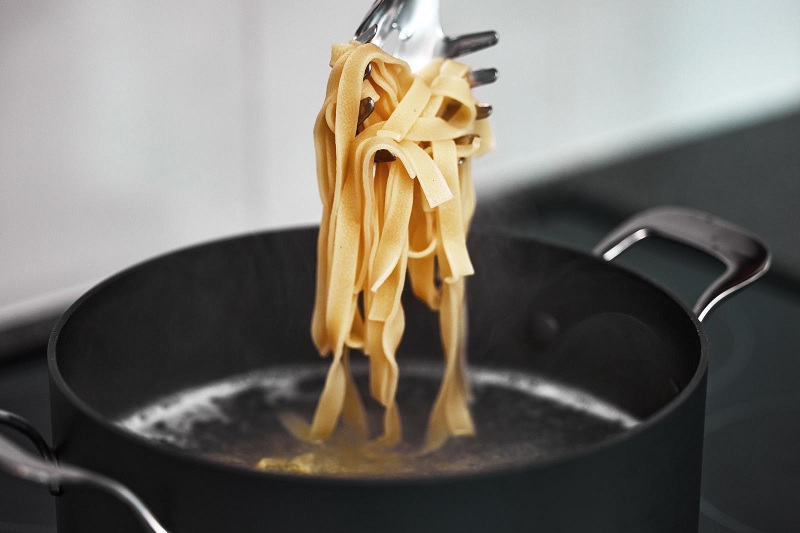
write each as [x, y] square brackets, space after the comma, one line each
[751, 469]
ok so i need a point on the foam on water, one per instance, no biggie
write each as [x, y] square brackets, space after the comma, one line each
[172, 416]
[547, 389]
[519, 417]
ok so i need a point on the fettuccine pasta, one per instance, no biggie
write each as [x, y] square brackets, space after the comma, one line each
[406, 215]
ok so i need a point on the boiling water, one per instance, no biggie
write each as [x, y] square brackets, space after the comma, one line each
[519, 417]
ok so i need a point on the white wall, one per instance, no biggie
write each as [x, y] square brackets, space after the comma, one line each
[131, 128]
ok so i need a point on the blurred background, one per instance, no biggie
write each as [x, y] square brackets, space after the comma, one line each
[132, 128]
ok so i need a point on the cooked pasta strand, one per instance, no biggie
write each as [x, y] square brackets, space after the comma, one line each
[385, 222]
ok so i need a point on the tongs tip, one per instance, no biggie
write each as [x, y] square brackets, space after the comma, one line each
[365, 35]
[469, 43]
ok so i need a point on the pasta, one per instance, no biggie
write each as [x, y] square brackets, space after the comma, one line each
[397, 200]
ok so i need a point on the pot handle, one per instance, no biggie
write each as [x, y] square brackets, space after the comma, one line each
[46, 470]
[745, 256]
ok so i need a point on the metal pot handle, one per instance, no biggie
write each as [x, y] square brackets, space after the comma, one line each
[745, 256]
[46, 470]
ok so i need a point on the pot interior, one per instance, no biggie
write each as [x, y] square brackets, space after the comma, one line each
[202, 349]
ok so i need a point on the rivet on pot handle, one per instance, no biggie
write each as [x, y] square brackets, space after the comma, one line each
[47, 471]
[745, 256]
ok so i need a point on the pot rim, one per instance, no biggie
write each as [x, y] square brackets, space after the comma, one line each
[549, 461]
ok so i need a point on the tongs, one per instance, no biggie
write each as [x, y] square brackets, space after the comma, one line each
[416, 24]
[420, 37]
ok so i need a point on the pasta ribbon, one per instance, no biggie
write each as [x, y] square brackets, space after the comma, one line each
[385, 221]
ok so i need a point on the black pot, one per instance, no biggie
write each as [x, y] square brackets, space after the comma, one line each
[241, 305]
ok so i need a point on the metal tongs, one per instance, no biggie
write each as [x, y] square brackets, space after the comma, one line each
[419, 34]
[419, 39]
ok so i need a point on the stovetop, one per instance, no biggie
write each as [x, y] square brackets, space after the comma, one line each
[751, 464]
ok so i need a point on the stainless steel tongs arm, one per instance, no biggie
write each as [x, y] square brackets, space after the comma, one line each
[419, 33]
[420, 38]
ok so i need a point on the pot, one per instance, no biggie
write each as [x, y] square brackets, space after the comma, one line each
[582, 339]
